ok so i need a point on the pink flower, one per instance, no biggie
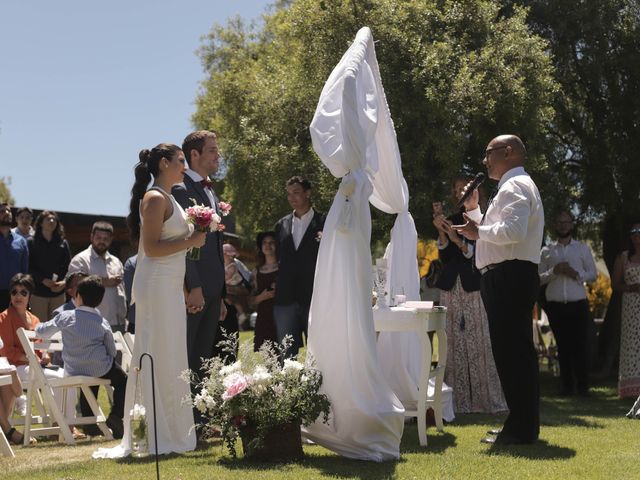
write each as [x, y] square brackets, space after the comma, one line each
[236, 383]
[225, 208]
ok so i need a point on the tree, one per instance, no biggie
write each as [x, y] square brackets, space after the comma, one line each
[595, 46]
[5, 193]
[456, 73]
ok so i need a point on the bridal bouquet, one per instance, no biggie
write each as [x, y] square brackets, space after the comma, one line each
[257, 395]
[205, 219]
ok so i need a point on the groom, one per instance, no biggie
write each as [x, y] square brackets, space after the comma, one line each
[205, 277]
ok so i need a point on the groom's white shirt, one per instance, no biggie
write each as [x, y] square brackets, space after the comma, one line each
[196, 177]
[299, 226]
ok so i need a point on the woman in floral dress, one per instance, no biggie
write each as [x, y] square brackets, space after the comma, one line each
[626, 279]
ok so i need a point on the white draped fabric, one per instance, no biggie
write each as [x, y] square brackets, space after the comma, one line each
[399, 352]
[367, 418]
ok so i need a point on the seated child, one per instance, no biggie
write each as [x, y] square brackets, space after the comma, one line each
[89, 348]
[70, 285]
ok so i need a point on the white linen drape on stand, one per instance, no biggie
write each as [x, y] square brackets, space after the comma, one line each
[367, 418]
[399, 352]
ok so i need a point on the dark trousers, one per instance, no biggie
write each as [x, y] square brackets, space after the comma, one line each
[509, 292]
[119, 383]
[5, 299]
[227, 327]
[291, 320]
[201, 338]
[570, 324]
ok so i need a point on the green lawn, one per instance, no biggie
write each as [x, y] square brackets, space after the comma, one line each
[580, 438]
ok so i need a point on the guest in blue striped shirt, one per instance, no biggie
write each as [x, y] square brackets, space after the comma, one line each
[89, 348]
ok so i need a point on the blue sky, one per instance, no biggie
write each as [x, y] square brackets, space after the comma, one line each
[85, 85]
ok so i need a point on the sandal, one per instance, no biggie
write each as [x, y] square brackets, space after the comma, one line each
[78, 435]
[16, 438]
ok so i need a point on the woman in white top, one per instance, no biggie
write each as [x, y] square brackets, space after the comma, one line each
[165, 236]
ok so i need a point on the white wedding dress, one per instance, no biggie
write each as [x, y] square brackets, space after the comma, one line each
[161, 330]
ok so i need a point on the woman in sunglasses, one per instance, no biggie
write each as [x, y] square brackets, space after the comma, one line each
[626, 279]
[17, 315]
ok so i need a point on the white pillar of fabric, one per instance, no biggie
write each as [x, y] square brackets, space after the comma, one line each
[399, 353]
[366, 417]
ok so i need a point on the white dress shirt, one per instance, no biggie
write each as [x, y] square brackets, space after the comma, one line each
[561, 288]
[113, 306]
[513, 226]
[196, 177]
[299, 226]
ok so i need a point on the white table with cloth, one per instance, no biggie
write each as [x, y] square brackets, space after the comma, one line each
[424, 322]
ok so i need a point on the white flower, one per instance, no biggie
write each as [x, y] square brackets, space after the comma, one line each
[215, 222]
[261, 375]
[260, 379]
[227, 370]
[200, 402]
[204, 401]
[292, 366]
[138, 412]
[304, 378]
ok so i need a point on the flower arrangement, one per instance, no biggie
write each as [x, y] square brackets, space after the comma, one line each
[205, 219]
[259, 394]
[139, 441]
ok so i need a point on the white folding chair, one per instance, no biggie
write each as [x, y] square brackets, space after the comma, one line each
[123, 347]
[130, 339]
[126, 355]
[41, 386]
[5, 447]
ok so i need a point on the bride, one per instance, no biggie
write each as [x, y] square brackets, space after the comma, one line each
[160, 224]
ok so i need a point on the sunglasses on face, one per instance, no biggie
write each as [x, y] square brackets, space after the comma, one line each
[15, 292]
[634, 231]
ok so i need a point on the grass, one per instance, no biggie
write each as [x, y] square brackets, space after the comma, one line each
[580, 438]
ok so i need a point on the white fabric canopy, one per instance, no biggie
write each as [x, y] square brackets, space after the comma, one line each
[367, 417]
[399, 352]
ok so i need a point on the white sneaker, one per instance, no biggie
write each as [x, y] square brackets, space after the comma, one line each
[21, 405]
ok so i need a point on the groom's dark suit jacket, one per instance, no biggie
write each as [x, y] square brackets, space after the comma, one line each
[208, 272]
[297, 268]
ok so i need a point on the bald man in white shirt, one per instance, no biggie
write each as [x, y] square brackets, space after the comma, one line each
[508, 239]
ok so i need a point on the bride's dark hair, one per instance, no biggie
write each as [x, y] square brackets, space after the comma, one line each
[148, 165]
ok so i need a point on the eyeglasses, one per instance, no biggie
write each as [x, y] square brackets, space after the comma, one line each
[634, 231]
[15, 292]
[488, 151]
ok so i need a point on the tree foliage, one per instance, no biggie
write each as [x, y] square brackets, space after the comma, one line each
[595, 46]
[456, 73]
[5, 193]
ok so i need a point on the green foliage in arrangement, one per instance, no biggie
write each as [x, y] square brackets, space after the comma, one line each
[456, 73]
